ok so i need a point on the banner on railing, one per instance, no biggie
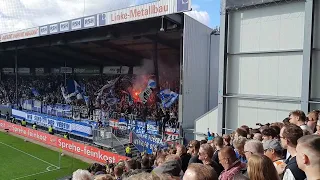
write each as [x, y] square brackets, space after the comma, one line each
[80, 149]
[148, 143]
[58, 123]
[152, 127]
[171, 134]
[61, 110]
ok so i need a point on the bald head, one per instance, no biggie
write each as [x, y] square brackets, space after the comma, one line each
[197, 171]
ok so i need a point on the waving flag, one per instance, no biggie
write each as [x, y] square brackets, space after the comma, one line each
[168, 97]
[152, 84]
[144, 95]
[35, 92]
[86, 100]
[73, 86]
[129, 98]
[111, 101]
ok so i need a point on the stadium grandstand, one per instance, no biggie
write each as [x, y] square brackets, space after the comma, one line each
[152, 98]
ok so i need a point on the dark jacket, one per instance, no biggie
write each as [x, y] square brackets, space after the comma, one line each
[195, 159]
[295, 170]
[185, 158]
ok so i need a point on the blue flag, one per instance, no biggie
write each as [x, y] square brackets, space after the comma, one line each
[73, 86]
[35, 92]
[168, 97]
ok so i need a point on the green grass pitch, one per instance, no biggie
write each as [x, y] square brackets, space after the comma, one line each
[20, 160]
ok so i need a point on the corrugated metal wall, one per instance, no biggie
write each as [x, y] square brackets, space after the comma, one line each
[195, 71]
[214, 71]
[315, 70]
[264, 64]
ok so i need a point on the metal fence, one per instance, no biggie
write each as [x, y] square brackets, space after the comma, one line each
[105, 137]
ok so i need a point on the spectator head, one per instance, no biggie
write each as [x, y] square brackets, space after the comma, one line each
[253, 147]
[206, 153]
[257, 136]
[118, 171]
[172, 167]
[173, 151]
[130, 164]
[277, 124]
[308, 153]
[313, 117]
[104, 177]
[173, 157]
[181, 149]
[255, 131]
[286, 120]
[218, 142]
[245, 127]
[262, 128]
[289, 135]
[272, 149]
[227, 157]
[240, 132]
[82, 175]
[160, 159]
[277, 129]
[261, 167]
[226, 139]
[148, 176]
[110, 169]
[203, 142]
[197, 171]
[297, 117]
[268, 133]
[145, 163]
[126, 175]
[238, 144]
[194, 147]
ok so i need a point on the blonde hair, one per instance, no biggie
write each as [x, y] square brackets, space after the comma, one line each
[260, 167]
[239, 142]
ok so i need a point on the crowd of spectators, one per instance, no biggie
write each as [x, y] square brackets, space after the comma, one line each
[48, 88]
[288, 150]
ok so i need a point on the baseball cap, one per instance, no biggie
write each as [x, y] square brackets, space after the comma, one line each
[272, 144]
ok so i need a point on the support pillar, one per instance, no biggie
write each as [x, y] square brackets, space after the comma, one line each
[16, 74]
[223, 56]
[307, 55]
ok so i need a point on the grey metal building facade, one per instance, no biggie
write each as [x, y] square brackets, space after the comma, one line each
[269, 60]
[199, 72]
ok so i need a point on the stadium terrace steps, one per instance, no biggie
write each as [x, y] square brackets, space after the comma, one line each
[120, 149]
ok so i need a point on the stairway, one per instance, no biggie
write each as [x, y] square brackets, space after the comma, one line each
[120, 149]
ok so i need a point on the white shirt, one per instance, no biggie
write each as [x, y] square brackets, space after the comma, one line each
[288, 175]
[306, 128]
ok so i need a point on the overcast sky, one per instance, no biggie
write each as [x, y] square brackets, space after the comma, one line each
[22, 14]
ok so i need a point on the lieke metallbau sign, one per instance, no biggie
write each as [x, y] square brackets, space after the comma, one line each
[83, 150]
